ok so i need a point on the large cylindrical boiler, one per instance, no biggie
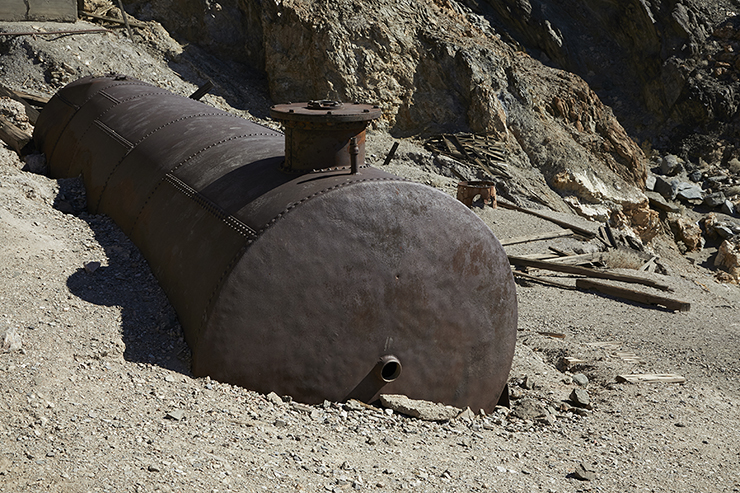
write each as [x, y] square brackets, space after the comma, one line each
[317, 276]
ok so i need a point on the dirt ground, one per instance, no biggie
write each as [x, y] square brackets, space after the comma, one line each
[96, 393]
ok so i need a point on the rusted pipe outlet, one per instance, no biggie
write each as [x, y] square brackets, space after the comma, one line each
[388, 368]
[318, 134]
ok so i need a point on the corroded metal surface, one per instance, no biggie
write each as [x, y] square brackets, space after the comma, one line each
[319, 285]
[468, 190]
[318, 133]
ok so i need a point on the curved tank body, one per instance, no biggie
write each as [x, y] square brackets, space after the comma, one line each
[321, 284]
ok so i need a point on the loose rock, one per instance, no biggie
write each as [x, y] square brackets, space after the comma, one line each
[425, 410]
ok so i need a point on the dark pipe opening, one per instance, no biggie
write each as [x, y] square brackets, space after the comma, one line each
[388, 368]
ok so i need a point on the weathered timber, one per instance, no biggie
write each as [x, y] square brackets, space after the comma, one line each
[114, 20]
[542, 280]
[651, 378]
[542, 236]
[585, 271]
[565, 224]
[31, 112]
[52, 33]
[16, 138]
[633, 295]
[584, 258]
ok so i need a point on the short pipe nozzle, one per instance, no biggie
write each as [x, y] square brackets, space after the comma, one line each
[388, 368]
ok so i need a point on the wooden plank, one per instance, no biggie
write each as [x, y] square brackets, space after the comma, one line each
[556, 335]
[649, 264]
[114, 20]
[542, 280]
[633, 295]
[31, 112]
[584, 258]
[586, 271]
[651, 378]
[565, 224]
[13, 136]
[569, 361]
[542, 236]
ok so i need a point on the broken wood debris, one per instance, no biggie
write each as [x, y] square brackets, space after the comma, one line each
[115, 20]
[560, 222]
[486, 154]
[586, 271]
[569, 361]
[31, 112]
[556, 335]
[542, 280]
[542, 236]
[16, 138]
[52, 33]
[633, 295]
[651, 378]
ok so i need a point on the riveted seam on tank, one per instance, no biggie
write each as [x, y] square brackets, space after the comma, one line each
[98, 117]
[136, 144]
[292, 206]
[210, 207]
[77, 108]
[182, 163]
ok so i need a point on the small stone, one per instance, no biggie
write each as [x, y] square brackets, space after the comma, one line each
[528, 408]
[280, 423]
[689, 192]
[274, 398]
[580, 398]
[728, 208]
[169, 378]
[425, 410]
[353, 405]
[176, 414]
[650, 182]
[467, 415]
[91, 267]
[584, 473]
[670, 165]
[680, 425]
[714, 199]
[153, 468]
[696, 176]
[304, 408]
[580, 379]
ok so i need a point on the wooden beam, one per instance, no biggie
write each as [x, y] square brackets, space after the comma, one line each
[565, 224]
[632, 295]
[16, 138]
[31, 112]
[542, 236]
[114, 20]
[542, 280]
[652, 378]
[586, 271]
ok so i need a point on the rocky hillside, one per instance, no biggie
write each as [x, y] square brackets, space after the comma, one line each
[433, 66]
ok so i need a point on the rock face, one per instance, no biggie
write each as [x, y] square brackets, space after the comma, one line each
[433, 66]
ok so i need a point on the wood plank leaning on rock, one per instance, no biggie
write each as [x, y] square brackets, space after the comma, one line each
[586, 271]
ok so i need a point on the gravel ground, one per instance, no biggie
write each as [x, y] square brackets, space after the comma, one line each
[97, 395]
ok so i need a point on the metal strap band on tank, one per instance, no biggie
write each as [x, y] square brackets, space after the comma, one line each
[99, 117]
[181, 163]
[136, 144]
[77, 107]
[114, 135]
[210, 206]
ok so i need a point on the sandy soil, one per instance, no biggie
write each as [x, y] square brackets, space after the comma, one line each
[97, 395]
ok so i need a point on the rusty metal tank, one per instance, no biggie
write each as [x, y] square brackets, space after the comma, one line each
[314, 276]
